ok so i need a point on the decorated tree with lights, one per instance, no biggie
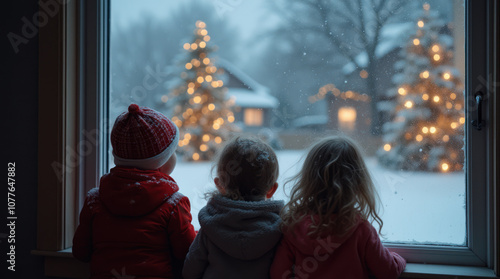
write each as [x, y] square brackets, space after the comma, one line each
[426, 130]
[200, 105]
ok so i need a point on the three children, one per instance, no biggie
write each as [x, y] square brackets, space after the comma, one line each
[136, 221]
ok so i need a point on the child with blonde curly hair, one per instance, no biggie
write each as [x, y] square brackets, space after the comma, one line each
[327, 233]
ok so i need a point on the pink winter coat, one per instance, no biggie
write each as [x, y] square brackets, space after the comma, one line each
[359, 254]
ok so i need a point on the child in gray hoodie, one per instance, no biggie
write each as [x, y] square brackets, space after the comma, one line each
[239, 225]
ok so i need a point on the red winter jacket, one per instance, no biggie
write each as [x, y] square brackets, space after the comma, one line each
[359, 254]
[135, 225]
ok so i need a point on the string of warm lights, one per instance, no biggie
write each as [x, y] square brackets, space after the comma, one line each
[330, 88]
[429, 107]
[202, 111]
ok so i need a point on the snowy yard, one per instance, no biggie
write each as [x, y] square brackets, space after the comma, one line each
[418, 207]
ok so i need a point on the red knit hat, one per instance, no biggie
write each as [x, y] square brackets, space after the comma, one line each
[143, 138]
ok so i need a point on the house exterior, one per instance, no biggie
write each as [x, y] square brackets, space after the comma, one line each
[253, 103]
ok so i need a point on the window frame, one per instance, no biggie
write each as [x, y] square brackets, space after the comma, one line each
[80, 77]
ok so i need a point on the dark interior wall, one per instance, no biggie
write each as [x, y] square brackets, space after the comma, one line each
[19, 132]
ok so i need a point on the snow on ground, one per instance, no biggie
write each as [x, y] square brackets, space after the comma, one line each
[417, 207]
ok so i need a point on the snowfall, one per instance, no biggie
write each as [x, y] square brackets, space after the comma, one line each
[416, 207]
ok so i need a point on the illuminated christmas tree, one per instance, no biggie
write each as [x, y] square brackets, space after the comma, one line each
[426, 130]
[201, 107]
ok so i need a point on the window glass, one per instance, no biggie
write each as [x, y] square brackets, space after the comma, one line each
[389, 74]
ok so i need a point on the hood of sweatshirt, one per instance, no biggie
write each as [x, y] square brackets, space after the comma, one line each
[244, 230]
[320, 245]
[134, 192]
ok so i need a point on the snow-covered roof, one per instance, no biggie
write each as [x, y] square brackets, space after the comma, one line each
[391, 36]
[255, 96]
[252, 99]
[310, 120]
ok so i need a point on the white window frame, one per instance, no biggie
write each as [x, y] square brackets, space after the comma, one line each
[80, 110]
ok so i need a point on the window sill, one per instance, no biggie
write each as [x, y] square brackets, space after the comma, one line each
[62, 264]
[446, 271]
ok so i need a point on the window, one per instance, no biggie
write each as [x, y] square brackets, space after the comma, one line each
[470, 246]
[253, 117]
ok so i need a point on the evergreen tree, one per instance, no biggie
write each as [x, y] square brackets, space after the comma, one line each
[426, 130]
[200, 106]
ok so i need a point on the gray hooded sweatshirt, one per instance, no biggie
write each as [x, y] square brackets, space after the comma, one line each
[237, 239]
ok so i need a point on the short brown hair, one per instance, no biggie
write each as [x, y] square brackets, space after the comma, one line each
[247, 168]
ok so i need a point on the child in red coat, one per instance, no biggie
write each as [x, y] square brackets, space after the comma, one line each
[325, 224]
[136, 223]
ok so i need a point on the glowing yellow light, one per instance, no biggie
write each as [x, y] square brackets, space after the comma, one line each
[424, 74]
[436, 99]
[416, 42]
[449, 105]
[203, 147]
[453, 96]
[446, 138]
[419, 138]
[220, 83]
[458, 106]
[181, 144]
[402, 91]
[420, 23]
[194, 46]
[363, 74]
[230, 118]
[191, 85]
[206, 137]
[196, 62]
[208, 78]
[446, 76]
[174, 118]
[196, 156]
[425, 130]
[197, 99]
[186, 46]
[189, 66]
[425, 97]
[216, 126]
[218, 140]
[211, 106]
[387, 147]
[432, 130]
[200, 24]
[206, 61]
[445, 166]
[200, 79]
[214, 84]
[190, 91]
[203, 44]
[409, 104]
[436, 57]
[454, 125]
[435, 48]
[164, 98]
[220, 120]
[187, 136]
[462, 120]
[206, 38]
[203, 32]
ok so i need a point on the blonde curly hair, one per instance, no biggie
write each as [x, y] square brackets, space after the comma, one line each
[334, 189]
